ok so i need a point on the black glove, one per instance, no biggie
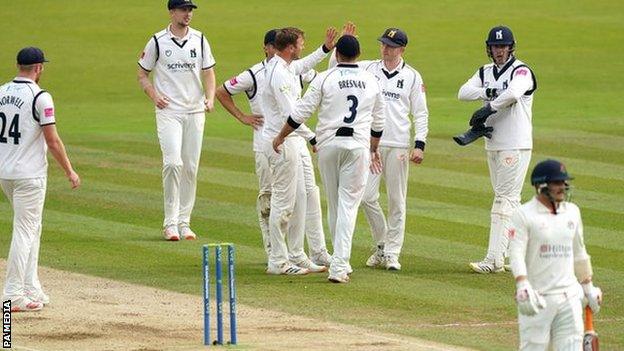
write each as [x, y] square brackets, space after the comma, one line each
[491, 93]
[473, 134]
[480, 116]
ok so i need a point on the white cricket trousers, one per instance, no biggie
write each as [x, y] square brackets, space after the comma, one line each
[344, 166]
[263, 204]
[560, 324]
[27, 197]
[286, 219]
[180, 136]
[508, 169]
[311, 197]
[388, 234]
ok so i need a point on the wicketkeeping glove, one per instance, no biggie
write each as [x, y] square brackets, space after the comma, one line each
[473, 134]
[481, 115]
[593, 295]
[530, 302]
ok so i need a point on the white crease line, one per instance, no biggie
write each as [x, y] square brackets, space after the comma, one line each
[470, 325]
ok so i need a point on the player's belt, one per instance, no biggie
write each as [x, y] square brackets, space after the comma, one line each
[344, 131]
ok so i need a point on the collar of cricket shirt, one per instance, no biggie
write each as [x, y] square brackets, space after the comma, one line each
[179, 41]
[391, 74]
[541, 208]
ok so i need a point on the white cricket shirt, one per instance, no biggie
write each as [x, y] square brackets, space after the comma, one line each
[404, 92]
[281, 90]
[349, 99]
[512, 121]
[543, 246]
[24, 109]
[251, 81]
[177, 64]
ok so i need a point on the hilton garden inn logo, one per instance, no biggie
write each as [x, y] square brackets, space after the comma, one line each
[6, 324]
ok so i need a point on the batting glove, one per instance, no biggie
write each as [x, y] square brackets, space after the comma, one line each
[530, 302]
[593, 295]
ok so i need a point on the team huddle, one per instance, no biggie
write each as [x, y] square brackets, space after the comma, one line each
[372, 122]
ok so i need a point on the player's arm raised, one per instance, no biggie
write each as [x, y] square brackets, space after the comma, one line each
[307, 63]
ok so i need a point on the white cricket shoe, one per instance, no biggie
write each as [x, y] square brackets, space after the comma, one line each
[323, 259]
[311, 266]
[486, 267]
[24, 304]
[377, 259]
[392, 263]
[286, 269]
[38, 296]
[186, 233]
[170, 233]
[344, 278]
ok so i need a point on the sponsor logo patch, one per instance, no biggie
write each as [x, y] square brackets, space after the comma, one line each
[233, 81]
[48, 112]
[521, 72]
[511, 233]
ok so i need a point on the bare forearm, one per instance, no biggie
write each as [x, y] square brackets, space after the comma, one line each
[228, 103]
[374, 144]
[57, 149]
[209, 83]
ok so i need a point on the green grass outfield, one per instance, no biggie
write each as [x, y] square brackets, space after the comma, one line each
[111, 227]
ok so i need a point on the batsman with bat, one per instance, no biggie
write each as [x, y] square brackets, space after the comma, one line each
[548, 261]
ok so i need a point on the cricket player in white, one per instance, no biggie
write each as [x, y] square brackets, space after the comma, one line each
[27, 131]
[251, 81]
[280, 93]
[350, 124]
[404, 92]
[182, 61]
[506, 87]
[548, 260]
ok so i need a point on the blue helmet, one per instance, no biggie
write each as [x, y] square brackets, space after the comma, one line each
[549, 171]
[500, 35]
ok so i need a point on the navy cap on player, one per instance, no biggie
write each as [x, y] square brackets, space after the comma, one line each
[176, 4]
[269, 37]
[394, 37]
[30, 56]
[348, 46]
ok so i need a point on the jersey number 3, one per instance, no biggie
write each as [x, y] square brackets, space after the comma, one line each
[13, 129]
[353, 109]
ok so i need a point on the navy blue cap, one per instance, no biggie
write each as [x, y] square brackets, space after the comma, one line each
[176, 4]
[30, 56]
[348, 46]
[269, 37]
[394, 37]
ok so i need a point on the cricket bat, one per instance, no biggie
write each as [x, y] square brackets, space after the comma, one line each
[590, 340]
